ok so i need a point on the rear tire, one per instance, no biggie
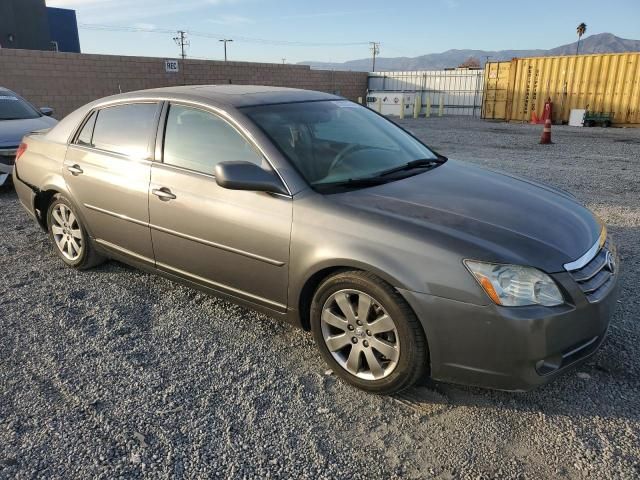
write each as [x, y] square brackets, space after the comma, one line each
[367, 333]
[70, 239]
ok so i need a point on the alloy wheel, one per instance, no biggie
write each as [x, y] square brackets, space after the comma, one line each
[360, 334]
[67, 233]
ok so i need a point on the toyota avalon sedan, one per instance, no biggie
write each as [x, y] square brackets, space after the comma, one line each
[17, 118]
[321, 212]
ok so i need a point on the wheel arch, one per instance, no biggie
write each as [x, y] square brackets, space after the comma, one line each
[42, 201]
[308, 290]
[322, 271]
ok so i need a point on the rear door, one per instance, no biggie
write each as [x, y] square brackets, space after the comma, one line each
[236, 242]
[107, 170]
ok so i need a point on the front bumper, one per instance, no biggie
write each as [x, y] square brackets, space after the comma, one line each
[7, 159]
[5, 173]
[513, 349]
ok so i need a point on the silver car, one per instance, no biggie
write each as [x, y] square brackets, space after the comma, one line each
[17, 118]
[321, 212]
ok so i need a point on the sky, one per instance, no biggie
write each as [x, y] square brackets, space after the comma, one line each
[336, 31]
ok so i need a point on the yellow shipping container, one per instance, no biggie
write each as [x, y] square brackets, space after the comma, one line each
[600, 83]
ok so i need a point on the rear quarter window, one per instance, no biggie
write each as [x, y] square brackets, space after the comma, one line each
[86, 134]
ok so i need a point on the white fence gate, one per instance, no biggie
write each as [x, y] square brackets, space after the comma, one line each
[459, 89]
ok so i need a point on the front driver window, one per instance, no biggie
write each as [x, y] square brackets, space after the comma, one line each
[198, 140]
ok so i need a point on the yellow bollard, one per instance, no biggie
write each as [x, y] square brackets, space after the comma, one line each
[402, 107]
[441, 108]
[379, 102]
[360, 100]
[417, 106]
[428, 114]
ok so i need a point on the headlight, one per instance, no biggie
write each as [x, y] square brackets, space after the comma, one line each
[515, 286]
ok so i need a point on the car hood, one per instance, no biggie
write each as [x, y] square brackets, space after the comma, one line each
[12, 131]
[504, 218]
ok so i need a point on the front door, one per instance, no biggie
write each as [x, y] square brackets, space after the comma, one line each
[107, 170]
[236, 242]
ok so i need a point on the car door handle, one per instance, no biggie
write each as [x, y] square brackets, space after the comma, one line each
[75, 170]
[163, 194]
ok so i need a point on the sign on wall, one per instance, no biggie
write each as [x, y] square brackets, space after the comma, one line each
[171, 66]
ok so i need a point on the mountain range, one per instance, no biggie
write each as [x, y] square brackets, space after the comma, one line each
[599, 43]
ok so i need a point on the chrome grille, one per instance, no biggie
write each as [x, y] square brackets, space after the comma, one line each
[596, 277]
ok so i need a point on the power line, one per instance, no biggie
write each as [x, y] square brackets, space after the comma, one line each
[217, 36]
[265, 41]
[122, 28]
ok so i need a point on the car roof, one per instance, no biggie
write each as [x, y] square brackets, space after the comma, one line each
[223, 96]
[233, 95]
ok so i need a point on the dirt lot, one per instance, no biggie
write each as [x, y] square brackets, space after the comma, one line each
[115, 373]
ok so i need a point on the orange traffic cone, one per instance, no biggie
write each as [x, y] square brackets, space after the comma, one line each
[546, 133]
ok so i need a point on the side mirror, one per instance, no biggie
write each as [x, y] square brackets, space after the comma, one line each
[247, 176]
[47, 111]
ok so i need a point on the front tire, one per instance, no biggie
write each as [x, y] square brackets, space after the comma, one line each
[69, 237]
[367, 333]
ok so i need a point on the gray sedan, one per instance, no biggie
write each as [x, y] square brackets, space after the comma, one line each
[17, 118]
[321, 212]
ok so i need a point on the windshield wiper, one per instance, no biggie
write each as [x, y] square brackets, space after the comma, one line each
[383, 177]
[419, 163]
[354, 182]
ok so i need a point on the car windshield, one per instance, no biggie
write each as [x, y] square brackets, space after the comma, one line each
[340, 142]
[13, 107]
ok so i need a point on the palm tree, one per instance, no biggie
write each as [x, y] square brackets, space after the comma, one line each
[582, 29]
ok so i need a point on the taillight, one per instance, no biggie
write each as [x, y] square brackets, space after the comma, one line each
[21, 149]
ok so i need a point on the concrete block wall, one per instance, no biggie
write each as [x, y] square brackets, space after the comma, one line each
[66, 81]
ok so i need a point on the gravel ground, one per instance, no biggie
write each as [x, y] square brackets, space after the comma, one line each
[116, 373]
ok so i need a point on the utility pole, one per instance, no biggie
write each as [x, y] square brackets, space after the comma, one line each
[182, 42]
[225, 40]
[375, 50]
[284, 60]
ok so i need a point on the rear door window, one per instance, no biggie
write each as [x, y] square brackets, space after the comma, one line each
[125, 129]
